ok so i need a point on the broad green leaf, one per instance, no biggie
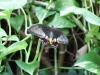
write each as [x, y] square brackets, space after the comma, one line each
[1, 68]
[13, 48]
[90, 62]
[65, 6]
[5, 14]
[28, 67]
[2, 32]
[61, 22]
[11, 38]
[91, 18]
[40, 12]
[70, 6]
[12, 4]
[17, 22]
[62, 4]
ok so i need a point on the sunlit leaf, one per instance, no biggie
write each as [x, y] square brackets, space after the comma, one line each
[90, 62]
[65, 6]
[28, 67]
[5, 14]
[69, 6]
[11, 38]
[13, 48]
[2, 32]
[12, 4]
[61, 22]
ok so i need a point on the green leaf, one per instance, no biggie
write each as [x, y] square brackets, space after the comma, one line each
[12, 4]
[65, 31]
[40, 12]
[70, 6]
[5, 14]
[62, 4]
[28, 67]
[91, 18]
[93, 32]
[2, 47]
[90, 62]
[13, 48]
[65, 6]
[61, 22]
[6, 73]
[11, 38]
[2, 32]
[17, 22]
[1, 68]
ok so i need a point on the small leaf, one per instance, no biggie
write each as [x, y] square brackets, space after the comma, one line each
[12, 4]
[17, 22]
[5, 14]
[28, 67]
[61, 22]
[13, 48]
[41, 11]
[2, 32]
[11, 38]
[1, 68]
[90, 62]
[93, 32]
[2, 47]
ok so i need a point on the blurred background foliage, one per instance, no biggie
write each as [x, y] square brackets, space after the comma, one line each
[20, 52]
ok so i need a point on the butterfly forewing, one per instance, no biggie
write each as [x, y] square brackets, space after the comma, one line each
[36, 30]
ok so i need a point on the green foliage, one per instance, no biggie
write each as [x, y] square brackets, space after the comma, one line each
[72, 17]
[5, 14]
[61, 22]
[28, 67]
[89, 61]
[13, 48]
[12, 4]
[17, 22]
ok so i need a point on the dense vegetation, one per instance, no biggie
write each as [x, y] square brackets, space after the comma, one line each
[23, 54]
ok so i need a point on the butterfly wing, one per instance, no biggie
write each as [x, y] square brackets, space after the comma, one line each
[36, 30]
[60, 37]
[44, 31]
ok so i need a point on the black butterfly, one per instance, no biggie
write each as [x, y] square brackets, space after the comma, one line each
[48, 35]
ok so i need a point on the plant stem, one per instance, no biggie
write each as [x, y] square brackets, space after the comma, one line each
[40, 53]
[37, 51]
[55, 61]
[29, 50]
[25, 20]
[9, 31]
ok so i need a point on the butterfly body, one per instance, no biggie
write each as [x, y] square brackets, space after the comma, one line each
[48, 34]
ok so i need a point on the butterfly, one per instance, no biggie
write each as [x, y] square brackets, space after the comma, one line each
[48, 35]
